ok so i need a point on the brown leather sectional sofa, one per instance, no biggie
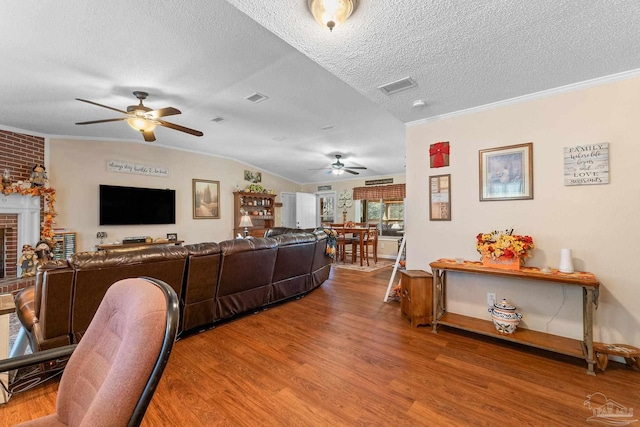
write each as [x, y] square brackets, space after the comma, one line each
[215, 282]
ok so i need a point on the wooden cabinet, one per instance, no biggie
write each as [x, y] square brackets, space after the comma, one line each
[571, 347]
[64, 245]
[259, 207]
[416, 296]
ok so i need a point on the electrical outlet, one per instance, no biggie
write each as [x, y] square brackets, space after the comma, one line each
[381, 245]
[491, 299]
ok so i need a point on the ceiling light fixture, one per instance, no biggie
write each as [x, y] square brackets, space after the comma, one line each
[141, 124]
[140, 119]
[330, 13]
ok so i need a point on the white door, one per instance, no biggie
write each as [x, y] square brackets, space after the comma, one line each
[306, 212]
[288, 209]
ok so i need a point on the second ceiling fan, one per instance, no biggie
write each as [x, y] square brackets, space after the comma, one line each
[338, 168]
[142, 118]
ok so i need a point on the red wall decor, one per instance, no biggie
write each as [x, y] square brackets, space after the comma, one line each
[439, 154]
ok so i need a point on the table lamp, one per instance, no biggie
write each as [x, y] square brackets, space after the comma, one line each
[245, 222]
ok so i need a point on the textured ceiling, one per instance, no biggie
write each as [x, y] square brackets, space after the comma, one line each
[204, 57]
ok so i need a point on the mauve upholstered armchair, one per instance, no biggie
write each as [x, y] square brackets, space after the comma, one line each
[113, 372]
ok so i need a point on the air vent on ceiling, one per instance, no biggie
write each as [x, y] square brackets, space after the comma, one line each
[218, 119]
[256, 97]
[398, 86]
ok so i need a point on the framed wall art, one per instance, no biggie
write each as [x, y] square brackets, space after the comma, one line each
[440, 198]
[206, 199]
[251, 176]
[506, 173]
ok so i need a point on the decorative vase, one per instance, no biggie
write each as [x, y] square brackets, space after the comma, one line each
[504, 317]
[501, 263]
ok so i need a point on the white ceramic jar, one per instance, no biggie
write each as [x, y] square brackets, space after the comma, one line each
[504, 317]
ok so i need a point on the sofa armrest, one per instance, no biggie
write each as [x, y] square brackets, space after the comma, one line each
[41, 342]
[26, 307]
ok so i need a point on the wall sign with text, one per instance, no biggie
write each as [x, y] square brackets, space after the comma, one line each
[586, 164]
[126, 167]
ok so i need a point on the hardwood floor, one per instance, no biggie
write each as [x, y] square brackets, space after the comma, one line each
[342, 357]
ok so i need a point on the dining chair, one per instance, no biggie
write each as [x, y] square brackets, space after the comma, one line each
[371, 241]
[342, 242]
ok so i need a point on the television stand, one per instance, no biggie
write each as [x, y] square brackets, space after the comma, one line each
[107, 246]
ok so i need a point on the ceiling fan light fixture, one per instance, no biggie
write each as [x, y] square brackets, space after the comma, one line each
[143, 119]
[330, 13]
[141, 124]
[337, 171]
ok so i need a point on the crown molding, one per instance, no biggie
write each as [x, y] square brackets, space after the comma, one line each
[530, 97]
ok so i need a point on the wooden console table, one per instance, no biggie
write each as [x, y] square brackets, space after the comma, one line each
[571, 347]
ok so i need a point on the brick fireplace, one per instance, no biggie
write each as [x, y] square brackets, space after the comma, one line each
[3, 261]
[18, 153]
[8, 246]
[23, 214]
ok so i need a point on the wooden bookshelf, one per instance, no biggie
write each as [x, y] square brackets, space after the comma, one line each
[259, 207]
[64, 245]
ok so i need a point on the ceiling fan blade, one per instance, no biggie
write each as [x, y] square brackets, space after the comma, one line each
[102, 121]
[355, 167]
[163, 112]
[149, 136]
[319, 169]
[180, 128]
[103, 106]
[351, 172]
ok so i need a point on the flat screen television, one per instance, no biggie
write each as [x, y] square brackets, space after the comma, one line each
[136, 206]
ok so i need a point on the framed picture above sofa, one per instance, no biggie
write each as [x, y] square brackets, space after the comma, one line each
[206, 199]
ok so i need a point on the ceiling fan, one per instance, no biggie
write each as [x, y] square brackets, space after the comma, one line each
[142, 118]
[338, 168]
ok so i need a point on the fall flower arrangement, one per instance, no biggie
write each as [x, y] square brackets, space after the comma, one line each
[49, 194]
[504, 244]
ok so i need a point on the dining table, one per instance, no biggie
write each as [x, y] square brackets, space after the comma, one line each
[361, 232]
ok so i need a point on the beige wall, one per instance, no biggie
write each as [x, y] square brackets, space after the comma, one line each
[598, 222]
[77, 167]
[388, 246]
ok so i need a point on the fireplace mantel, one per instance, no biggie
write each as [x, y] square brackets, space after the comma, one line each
[27, 208]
